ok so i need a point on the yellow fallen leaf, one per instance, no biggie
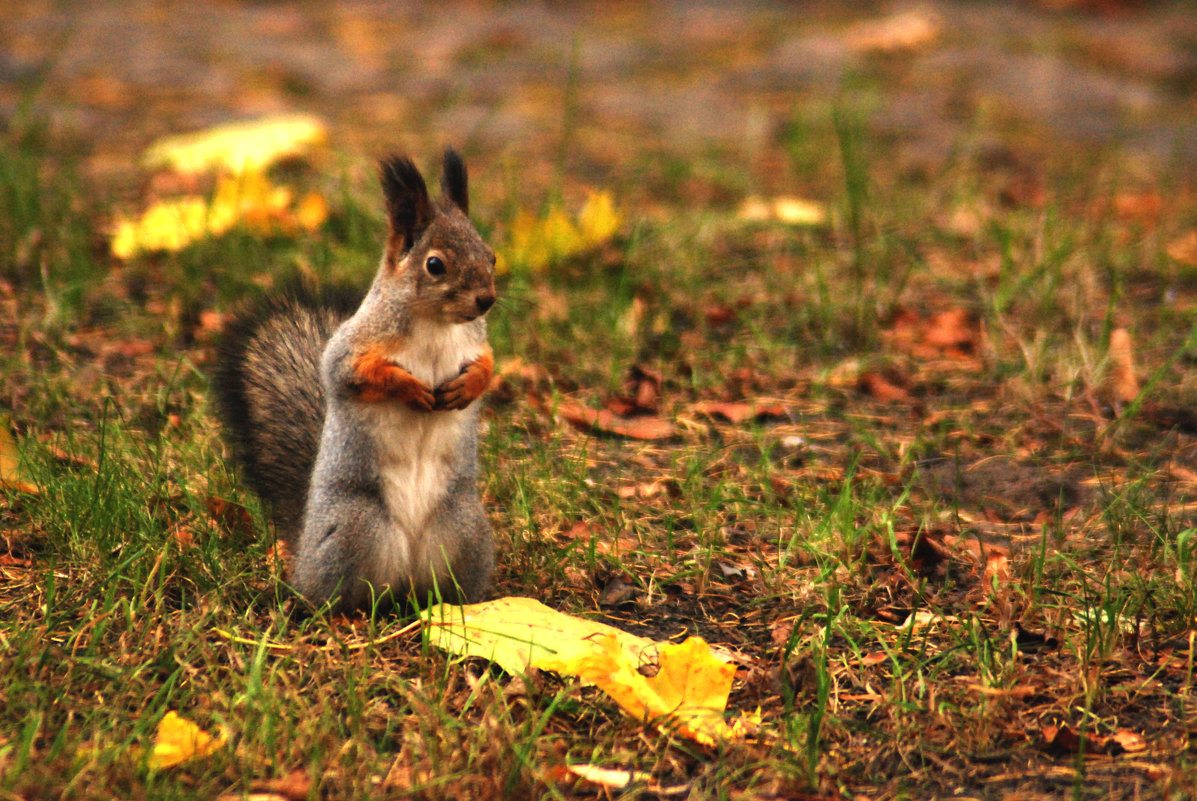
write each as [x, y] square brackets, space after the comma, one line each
[179, 740]
[11, 474]
[789, 210]
[312, 211]
[536, 242]
[598, 220]
[250, 198]
[518, 633]
[237, 147]
[796, 211]
[167, 225]
[688, 694]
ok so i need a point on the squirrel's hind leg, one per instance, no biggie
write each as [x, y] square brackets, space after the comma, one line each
[462, 567]
[332, 554]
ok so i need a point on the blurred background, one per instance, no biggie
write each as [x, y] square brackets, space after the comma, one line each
[634, 93]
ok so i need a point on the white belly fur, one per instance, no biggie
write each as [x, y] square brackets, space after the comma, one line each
[416, 448]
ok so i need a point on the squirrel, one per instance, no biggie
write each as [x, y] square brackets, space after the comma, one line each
[359, 427]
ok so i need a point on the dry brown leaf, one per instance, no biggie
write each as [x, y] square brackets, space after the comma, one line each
[1063, 739]
[581, 530]
[926, 550]
[953, 330]
[647, 387]
[781, 631]
[904, 328]
[907, 30]
[8, 560]
[616, 592]
[621, 406]
[642, 393]
[1124, 386]
[12, 473]
[608, 777]
[1060, 739]
[212, 321]
[616, 779]
[997, 692]
[1183, 474]
[737, 412]
[280, 553]
[997, 568]
[295, 786]
[719, 314]
[605, 421]
[981, 552]
[952, 333]
[649, 489]
[625, 543]
[882, 388]
[1129, 741]
[1184, 249]
[64, 457]
[231, 518]
[1142, 206]
[517, 367]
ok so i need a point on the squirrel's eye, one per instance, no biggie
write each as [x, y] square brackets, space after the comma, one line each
[434, 266]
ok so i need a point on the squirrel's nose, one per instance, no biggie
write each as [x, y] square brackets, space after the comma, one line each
[484, 302]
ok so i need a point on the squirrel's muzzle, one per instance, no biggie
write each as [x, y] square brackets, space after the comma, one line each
[483, 301]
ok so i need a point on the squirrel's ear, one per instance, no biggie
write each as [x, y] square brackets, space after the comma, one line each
[409, 210]
[454, 183]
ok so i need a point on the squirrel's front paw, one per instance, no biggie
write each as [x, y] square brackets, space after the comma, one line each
[454, 394]
[421, 398]
[467, 386]
[378, 379]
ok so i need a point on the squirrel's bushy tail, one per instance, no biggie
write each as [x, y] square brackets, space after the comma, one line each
[268, 394]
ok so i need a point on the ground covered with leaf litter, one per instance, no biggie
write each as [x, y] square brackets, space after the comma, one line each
[858, 344]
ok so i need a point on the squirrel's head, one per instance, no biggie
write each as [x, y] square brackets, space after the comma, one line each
[433, 250]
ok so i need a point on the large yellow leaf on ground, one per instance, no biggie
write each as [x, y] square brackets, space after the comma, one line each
[519, 633]
[688, 694]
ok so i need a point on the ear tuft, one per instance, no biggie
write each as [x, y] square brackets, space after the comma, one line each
[454, 182]
[409, 210]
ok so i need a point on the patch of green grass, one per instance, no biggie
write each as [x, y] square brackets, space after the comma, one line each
[47, 233]
[908, 616]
